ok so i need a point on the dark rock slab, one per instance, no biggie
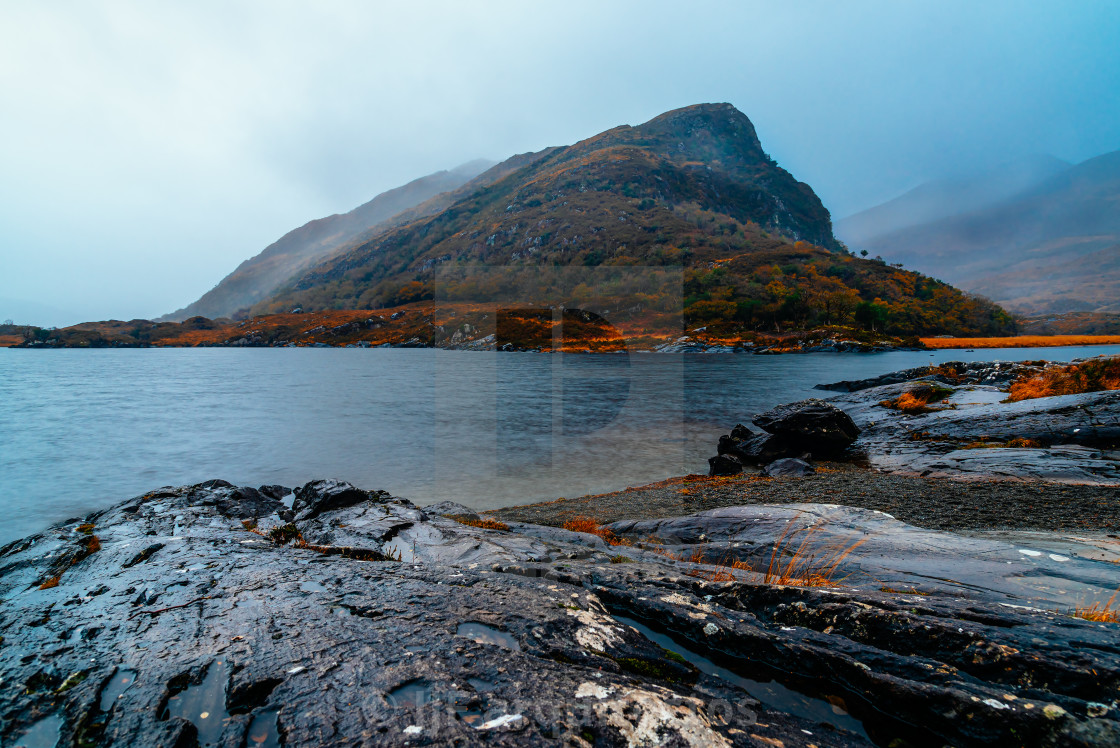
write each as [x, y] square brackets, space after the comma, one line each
[520, 637]
[787, 467]
[724, 464]
[320, 496]
[992, 373]
[451, 509]
[810, 426]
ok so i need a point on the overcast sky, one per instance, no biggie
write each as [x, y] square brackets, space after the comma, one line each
[148, 148]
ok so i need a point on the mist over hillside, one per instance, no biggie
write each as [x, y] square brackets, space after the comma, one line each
[260, 275]
[1053, 247]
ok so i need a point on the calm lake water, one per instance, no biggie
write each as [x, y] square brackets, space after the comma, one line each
[80, 430]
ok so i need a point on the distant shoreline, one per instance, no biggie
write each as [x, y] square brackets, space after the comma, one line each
[1022, 341]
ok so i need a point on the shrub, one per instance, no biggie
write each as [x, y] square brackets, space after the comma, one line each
[1095, 375]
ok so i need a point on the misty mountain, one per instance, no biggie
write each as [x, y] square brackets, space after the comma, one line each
[942, 198]
[256, 278]
[692, 188]
[1051, 249]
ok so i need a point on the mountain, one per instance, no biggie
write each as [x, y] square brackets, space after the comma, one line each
[1054, 248]
[256, 278]
[692, 188]
[942, 198]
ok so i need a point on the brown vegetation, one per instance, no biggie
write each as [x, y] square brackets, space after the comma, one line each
[486, 523]
[1022, 341]
[1105, 612]
[1094, 375]
[590, 526]
[917, 399]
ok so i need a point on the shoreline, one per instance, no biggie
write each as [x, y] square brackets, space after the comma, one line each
[938, 503]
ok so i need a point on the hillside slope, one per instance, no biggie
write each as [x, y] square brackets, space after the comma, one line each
[256, 278]
[692, 188]
[942, 198]
[1053, 249]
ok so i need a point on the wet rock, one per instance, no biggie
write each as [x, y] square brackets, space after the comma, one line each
[994, 373]
[275, 491]
[451, 509]
[974, 435]
[240, 503]
[724, 464]
[320, 496]
[810, 425]
[788, 467]
[241, 636]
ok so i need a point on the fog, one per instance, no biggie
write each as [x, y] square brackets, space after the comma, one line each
[146, 149]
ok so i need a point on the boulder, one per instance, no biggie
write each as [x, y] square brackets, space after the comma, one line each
[275, 492]
[724, 465]
[450, 509]
[811, 425]
[236, 503]
[320, 496]
[787, 467]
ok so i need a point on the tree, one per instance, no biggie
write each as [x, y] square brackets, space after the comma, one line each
[868, 314]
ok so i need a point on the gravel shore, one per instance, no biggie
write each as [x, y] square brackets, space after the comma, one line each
[934, 503]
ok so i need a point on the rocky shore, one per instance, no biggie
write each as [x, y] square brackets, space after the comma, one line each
[216, 615]
[813, 597]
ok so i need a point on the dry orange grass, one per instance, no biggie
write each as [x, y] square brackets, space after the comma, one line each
[1099, 612]
[590, 526]
[486, 523]
[1022, 341]
[918, 399]
[1095, 375]
[799, 564]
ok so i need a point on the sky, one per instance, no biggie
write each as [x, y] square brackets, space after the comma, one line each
[146, 149]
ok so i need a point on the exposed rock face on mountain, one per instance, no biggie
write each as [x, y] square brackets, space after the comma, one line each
[174, 620]
[258, 277]
[1053, 248]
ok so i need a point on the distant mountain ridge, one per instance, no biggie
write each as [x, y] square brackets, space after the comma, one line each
[1052, 248]
[942, 198]
[258, 277]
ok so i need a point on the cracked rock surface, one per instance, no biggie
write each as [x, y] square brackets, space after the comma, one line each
[216, 615]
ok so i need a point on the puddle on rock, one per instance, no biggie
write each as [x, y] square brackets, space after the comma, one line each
[472, 716]
[772, 694]
[411, 694]
[310, 586]
[42, 734]
[115, 688]
[480, 685]
[204, 705]
[264, 731]
[484, 634]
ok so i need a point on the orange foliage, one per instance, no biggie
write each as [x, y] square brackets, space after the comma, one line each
[1099, 612]
[1022, 341]
[590, 526]
[1095, 375]
[51, 583]
[805, 566]
[486, 523]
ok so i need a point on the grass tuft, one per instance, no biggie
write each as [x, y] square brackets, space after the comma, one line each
[486, 523]
[1105, 612]
[590, 526]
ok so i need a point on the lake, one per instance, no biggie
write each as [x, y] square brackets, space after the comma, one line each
[80, 430]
